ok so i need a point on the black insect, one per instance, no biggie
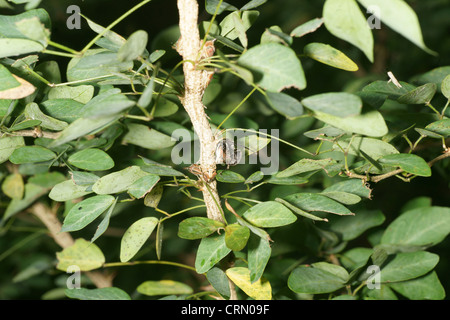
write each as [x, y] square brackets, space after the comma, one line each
[227, 153]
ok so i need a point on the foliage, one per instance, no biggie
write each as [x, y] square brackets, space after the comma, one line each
[89, 134]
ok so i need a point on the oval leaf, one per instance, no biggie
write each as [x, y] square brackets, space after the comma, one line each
[119, 181]
[86, 211]
[84, 254]
[198, 227]
[91, 160]
[236, 236]
[31, 154]
[277, 66]
[259, 290]
[163, 288]
[269, 214]
[135, 237]
[210, 251]
[410, 163]
[339, 104]
[344, 19]
[312, 280]
[97, 294]
[419, 227]
[328, 55]
[399, 16]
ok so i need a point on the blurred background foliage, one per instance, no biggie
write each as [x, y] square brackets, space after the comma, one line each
[23, 243]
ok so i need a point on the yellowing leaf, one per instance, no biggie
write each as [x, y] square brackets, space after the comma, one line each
[84, 254]
[22, 91]
[259, 290]
[135, 237]
[13, 186]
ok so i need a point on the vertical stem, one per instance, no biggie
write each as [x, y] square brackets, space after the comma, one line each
[194, 87]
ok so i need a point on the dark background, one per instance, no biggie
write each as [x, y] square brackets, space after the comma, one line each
[392, 53]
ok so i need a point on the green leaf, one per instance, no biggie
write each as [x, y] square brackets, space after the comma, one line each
[228, 176]
[91, 160]
[106, 103]
[441, 127]
[328, 55]
[269, 214]
[445, 87]
[294, 180]
[219, 280]
[163, 288]
[369, 123]
[420, 95]
[410, 163]
[353, 186]
[67, 110]
[8, 27]
[82, 127]
[236, 24]
[339, 104]
[36, 186]
[236, 236]
[68, 190]
[252, 4]
[7, 81]
[159, 169]
[254, 177]
[81, 93]
[317, 202]
[32, 112]
[145, 137]
[96, 63]
[164, 108]
[276, 66]
[8, 145]
[135, 237]
[210, 251]
[111, 293]
[400, 17]
[276, 34]
[33, 29]
[118, 181]
[307, 27]
[258, 290]
[362, 146]
[299, 211]
[349, 228]
[103, 225]
[420, 227]
[305, 165]
[15, 47]
[84, 254]
[344, 19]
[198, 227]
[31, 154]
[86, 211]
[153, 197]
[134, 47]
[211, 6]
[314, 280]
[408, 265]
[258, 255]
[143, 186]
[342, 197]
[284, 104]
[427, 287]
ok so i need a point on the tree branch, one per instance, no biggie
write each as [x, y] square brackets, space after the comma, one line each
[196, 81]
[64, 240]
